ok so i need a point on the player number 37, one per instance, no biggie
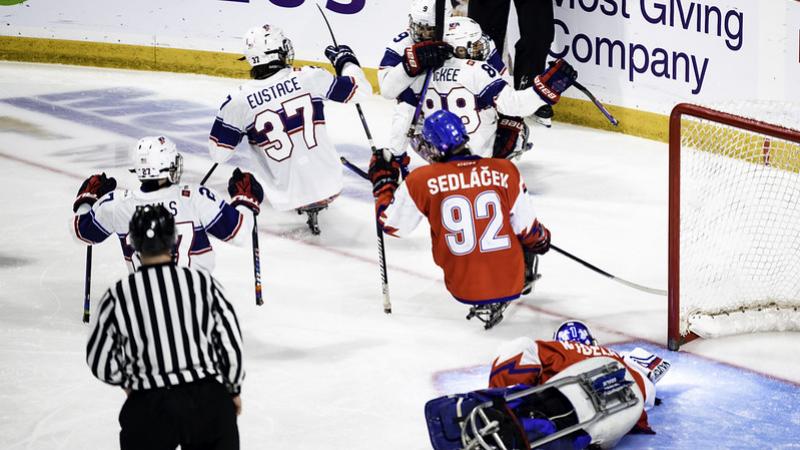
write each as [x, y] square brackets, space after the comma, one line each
[459, 217]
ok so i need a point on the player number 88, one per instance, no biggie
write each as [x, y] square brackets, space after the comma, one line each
[459, 101]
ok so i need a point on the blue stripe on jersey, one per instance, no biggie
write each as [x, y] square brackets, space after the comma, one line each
[88, 229]
[342, 89]
[496, 61]
[200, 243]
[408, 96]
[390, 58]
[486, 98]
[226, 224]
[225, 135]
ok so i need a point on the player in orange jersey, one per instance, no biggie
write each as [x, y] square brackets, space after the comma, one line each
[534, 362]
[481, 217]
[565, 393]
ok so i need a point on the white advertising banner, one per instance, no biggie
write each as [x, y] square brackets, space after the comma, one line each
[214, 25]
[651, 54]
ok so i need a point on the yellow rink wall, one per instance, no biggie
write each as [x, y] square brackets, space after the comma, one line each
[123, 56]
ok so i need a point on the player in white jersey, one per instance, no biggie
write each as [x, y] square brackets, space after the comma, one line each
[469, 86]
[101, 210]
[281, 111]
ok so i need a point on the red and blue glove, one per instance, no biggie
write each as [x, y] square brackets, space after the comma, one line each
[555, 80]
[425, 55]
[384, 172]
[92, 189]
[245, 190]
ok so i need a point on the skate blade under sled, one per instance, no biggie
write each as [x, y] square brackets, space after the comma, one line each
[494, 419]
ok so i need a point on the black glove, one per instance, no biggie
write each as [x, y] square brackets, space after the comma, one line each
[93, 188]
[555, 80]
[384, 172]
[339, 56]
[425, 55]
[511, 137]
[542, 243]
[245, 190]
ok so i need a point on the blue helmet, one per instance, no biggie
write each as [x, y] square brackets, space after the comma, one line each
[574, 331]
[444, 132]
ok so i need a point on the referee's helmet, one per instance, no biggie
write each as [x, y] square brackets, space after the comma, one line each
[152, 230]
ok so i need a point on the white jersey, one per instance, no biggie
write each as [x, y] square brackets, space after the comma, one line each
[474, 90]
[284, 121]
[198, 212]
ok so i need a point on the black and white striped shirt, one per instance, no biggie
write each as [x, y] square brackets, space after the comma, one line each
[165, 326]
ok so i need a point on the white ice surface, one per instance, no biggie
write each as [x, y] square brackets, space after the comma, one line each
[325, 367]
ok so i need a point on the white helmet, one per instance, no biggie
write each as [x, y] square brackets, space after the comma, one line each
[422, 19]
[156, 158]
[267, 45]
[467, 39]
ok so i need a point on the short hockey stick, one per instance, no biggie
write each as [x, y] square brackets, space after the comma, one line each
[633, 285]
[597, 103]
[256, 251]
[87, 284]
[387, 303]
[257, 263]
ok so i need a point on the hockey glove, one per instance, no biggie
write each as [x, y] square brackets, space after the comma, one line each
[93, 188]
[555, 80]
[339, 56]
[511, 138]
[425, 55]
[403, 160]
[541, 239]
[649, 364]
[245, 190]
[384, 172]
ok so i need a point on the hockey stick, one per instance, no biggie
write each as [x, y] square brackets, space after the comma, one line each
[597, 103]
[87, 284]
[387, 303]
[630, 284]
[257, 263]
[208, 175]
[256, 252]
[439, 36]
[354, 168]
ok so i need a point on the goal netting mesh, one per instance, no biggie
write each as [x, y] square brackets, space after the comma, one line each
[740, 221]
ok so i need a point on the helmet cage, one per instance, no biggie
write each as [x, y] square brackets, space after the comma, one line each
[421, 32]
[477, 50]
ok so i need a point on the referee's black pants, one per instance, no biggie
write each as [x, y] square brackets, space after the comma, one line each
[196, 416]
[536, 28]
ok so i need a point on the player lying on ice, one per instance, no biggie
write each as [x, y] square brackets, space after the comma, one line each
[568, 393]
[281, 111]
[480, 214]
[101, 211]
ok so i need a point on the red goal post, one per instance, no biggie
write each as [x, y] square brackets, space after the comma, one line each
[740, 176]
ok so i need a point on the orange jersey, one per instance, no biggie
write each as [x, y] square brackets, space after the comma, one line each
[525, 361]
[478, 210]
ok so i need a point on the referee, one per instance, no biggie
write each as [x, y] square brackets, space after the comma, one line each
[171, 340]
[536, 29]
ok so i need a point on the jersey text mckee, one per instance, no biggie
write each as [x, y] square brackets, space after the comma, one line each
[258, 98]
[453, 182]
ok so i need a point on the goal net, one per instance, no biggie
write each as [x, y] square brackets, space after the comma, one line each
[734, 212]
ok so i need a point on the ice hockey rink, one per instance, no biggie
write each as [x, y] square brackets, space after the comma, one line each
[326, 368]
